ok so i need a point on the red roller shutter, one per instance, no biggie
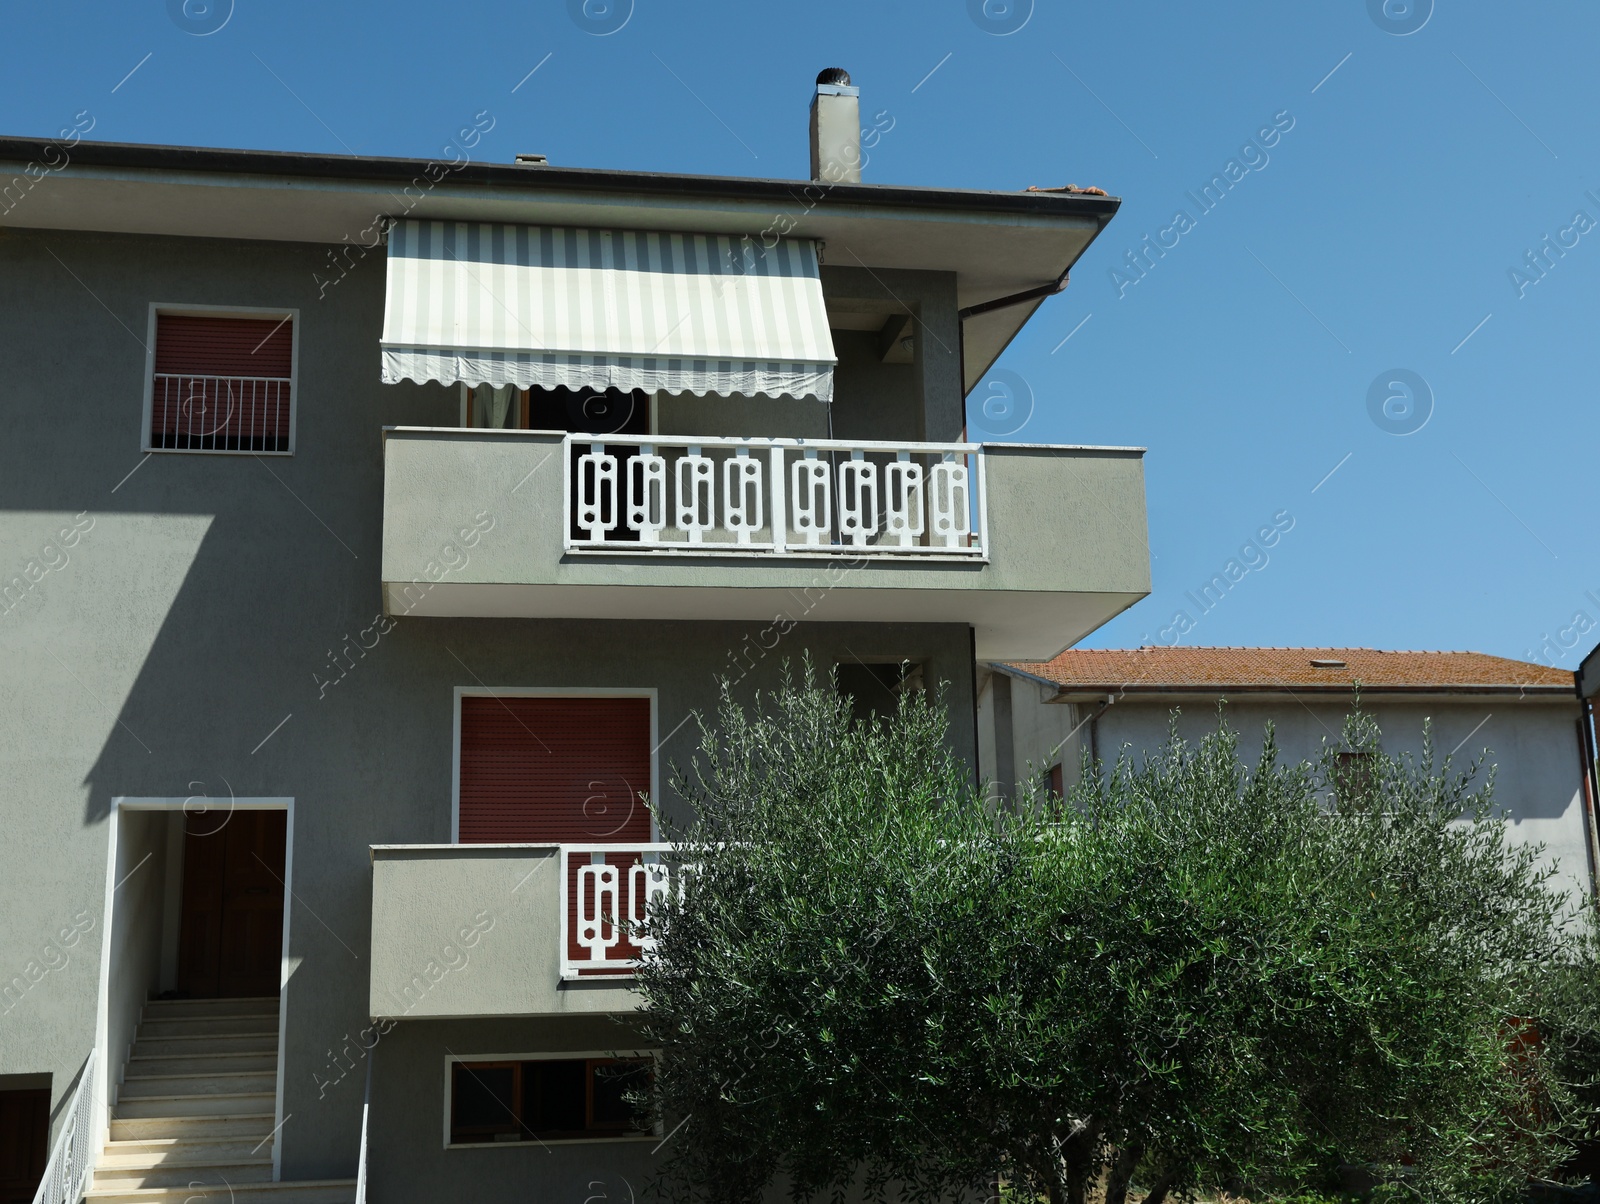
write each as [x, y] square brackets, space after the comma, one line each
[222, 384]
[554, 770]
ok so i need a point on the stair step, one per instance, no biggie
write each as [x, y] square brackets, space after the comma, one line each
[227, 1062]
[164, 1126]
[145, 1086]
[205, 1043]
[153, 1151]
[184, 1173]
[305, 1191]
[175, 1009]
[241, 1024]
[218, 1104]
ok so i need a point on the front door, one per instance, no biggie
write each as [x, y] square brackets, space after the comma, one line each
[231, 939]
[24, 1143]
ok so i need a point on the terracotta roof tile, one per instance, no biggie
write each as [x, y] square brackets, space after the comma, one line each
[1297, 669]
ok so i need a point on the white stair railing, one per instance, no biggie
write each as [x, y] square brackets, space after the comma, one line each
[67, 1173]
[366, 1107]
[664, 495]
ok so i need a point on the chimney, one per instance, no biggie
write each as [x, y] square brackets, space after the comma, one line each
[836, 129]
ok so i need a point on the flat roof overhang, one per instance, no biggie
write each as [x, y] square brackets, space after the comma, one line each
[997, 243]
[1002, 621]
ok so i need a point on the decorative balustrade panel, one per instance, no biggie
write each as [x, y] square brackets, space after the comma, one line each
[653, 494]
[606, 893]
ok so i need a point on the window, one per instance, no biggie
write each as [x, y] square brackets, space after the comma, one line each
[1355, 779]
[1055, 783]
[547, 1099]
[222, 383]
[874, 688]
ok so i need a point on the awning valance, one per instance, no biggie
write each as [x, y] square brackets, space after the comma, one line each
[547, 305]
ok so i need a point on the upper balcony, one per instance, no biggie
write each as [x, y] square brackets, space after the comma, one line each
[1033, 546]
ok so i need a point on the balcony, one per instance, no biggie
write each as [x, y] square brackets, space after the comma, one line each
[1031, 546]
[509, 930]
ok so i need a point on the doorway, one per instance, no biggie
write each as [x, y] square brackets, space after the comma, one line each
[230, 941]
[24, 1142]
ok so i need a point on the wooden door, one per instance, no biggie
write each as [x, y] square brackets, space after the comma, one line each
[231, 938]
[24, 1143]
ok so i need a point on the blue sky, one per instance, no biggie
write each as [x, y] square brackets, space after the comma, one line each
[1376, 237]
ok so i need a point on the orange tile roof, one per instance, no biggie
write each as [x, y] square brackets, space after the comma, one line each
[1166, 670]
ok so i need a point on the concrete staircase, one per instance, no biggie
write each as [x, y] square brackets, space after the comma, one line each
[193, 1118]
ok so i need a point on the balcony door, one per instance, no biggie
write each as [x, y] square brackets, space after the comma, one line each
[554, 770]
[559, 770]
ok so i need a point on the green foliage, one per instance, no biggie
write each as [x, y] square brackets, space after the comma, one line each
[1565, 1021]
[1191, 972]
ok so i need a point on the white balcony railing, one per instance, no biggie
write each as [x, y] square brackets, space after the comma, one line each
[220, 413]
[606, 891]
[659, 495]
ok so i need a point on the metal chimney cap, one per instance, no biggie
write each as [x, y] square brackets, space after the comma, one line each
[834, 75]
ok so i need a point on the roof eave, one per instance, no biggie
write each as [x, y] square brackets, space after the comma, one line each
[288, 166]
[1086, 691]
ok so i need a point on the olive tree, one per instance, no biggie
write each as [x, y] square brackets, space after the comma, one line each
[1195, 969]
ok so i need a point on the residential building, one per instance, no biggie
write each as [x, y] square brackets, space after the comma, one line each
[1038, 720]
[374, 529]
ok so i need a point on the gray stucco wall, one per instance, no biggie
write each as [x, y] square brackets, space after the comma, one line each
[134, 950]
[1531, 743]
[936, 354]
[408, 1087]
[187, 643]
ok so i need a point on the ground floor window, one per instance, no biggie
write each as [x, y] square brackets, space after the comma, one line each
[546, 1099]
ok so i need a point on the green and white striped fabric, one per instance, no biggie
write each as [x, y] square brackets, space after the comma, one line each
[594, 309]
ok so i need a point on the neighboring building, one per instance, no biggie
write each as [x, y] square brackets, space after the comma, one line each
[374, 527]
[1038, 719]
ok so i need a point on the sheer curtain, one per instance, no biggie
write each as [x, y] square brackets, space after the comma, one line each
[495, 407]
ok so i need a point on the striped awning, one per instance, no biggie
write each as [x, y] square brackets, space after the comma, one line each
[596, 309]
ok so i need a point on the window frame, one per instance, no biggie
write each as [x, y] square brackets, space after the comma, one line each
[254, 312]
[576, 1055]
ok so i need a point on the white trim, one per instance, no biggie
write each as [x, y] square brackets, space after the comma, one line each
[790, 551]
[119, 804]
[461, 692]
[576, 1055]
[218, 311]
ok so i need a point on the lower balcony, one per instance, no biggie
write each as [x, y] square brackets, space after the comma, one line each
[1032, 546]
[510, 930]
